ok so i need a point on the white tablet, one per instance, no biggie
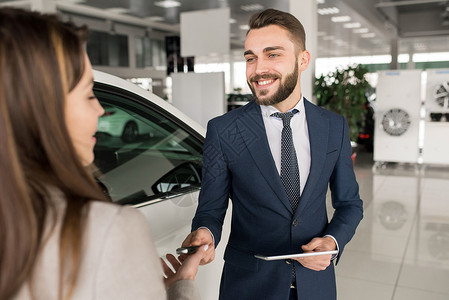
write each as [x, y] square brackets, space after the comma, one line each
[287, 256]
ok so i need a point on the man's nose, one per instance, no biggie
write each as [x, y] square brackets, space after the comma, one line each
[262, 66]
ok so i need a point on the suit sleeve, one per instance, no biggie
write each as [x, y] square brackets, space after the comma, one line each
[130, 267]
[215, 186]
[345, 194]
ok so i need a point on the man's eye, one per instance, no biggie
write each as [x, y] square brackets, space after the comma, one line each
[249, 59]
[93, 97]
[273, 55]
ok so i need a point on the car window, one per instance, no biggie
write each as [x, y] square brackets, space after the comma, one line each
[142, 152]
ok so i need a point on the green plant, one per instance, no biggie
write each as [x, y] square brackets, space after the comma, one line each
[345, 92]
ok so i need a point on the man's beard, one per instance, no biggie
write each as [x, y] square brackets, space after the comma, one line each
[285, 88]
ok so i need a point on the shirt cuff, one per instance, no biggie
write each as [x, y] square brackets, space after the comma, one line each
[336, 243]
[213, 238]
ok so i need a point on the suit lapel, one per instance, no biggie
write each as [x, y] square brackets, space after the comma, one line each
[318, 128]
[252, 130]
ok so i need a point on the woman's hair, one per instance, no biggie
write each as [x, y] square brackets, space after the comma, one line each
[41, 61]
[285, 20]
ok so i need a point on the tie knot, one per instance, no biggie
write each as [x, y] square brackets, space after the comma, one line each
[286, 117]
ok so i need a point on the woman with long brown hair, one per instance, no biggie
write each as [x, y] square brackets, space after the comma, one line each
[59, 238]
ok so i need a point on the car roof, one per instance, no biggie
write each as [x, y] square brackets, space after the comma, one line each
[115, 81]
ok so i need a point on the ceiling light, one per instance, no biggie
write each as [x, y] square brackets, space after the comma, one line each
[420, 46]
[340, 42]
[340, 19]
[352, 25]
[232, 21]
[167, 3]
[154, 19]
[320, 1]
[328, 11]
[251, 7]
[361, 30]
[244, 27]
[369, 35]
[117, 10]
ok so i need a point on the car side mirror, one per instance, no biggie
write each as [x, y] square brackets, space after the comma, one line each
[184, 176]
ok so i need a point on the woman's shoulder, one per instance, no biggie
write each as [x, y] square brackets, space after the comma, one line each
[106, 212]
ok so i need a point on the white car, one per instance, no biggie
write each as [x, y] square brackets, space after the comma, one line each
[124, 124]
[159, 174]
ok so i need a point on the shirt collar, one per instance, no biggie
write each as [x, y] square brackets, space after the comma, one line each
[268, 110]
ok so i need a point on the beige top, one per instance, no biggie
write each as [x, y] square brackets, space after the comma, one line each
[119, 260]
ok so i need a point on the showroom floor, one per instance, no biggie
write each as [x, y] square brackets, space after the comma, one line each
[401, 248]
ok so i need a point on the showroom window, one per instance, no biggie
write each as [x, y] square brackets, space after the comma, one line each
[142, 154]
[105, 49]
[150, 53]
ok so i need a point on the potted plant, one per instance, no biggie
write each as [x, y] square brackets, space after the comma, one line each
[345, 92]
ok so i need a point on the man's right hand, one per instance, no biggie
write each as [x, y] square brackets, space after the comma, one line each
[201, 236]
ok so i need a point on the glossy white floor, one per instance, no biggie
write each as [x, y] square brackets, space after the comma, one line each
[401, 248]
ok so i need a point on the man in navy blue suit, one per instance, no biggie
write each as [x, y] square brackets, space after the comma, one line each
[244, 160]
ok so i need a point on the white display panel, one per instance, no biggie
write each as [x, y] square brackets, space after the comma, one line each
[204, 32]
[437, 93]
[436, 130]
[398, 105]
[436, 143]
[201, 96]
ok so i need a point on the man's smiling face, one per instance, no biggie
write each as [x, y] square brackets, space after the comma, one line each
[272, 69]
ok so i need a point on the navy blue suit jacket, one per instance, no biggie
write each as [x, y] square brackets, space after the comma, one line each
[238, 164]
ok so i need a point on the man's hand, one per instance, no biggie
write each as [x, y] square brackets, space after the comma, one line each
[185, 271]
[198, 237]
[318, 262]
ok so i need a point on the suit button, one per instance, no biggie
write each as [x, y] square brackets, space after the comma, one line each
[295, 222]
[288, 261]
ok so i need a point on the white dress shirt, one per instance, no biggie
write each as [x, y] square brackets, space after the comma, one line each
[273, 128]
[298, 123]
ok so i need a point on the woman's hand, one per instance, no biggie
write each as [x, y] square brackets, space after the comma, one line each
[182, 271]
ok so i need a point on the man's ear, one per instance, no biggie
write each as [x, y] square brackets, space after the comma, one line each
[304, 60]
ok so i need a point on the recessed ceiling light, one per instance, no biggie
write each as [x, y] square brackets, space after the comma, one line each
[361, 30]
[167, 3]
[232, 21]
[340, 42]
[154, 19]
[420, 46]
[320, 1]
[117, 10]
[352, 25]
[251, 7]
[244, 27]
[340, 19]
[328, 11]
[369, 35]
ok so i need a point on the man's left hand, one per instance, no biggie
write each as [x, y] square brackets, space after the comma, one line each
[318, 262]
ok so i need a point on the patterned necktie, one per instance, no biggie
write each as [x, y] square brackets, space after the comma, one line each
[289, 167]
[289, 161]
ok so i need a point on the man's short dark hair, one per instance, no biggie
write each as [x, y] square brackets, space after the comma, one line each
[283, 19]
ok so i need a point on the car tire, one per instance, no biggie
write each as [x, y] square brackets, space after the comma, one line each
[130, 132]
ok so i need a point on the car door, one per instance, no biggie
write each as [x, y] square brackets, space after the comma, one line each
[158, 173]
